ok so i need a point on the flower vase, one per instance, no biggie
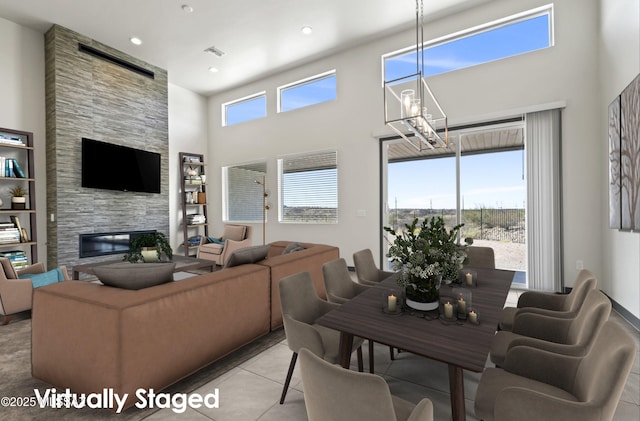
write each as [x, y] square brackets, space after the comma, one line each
[424, 294]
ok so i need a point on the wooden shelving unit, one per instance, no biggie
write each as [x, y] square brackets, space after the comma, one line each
[193, 194]
[17, 146]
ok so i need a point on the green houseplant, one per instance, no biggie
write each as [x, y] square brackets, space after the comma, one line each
[148, 247]
[426, 253]
[18, 199]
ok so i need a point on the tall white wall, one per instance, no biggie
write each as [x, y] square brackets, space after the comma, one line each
[187, 133]
[619, 33]
[567, 72]
[22, 105]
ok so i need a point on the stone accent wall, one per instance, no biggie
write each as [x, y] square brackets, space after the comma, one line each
[90, 97]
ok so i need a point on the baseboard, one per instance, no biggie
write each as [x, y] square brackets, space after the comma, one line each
[625, 314]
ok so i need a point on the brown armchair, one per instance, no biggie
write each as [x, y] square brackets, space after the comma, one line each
[15, 293]
[234, 237]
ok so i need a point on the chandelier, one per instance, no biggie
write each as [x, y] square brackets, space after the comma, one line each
[410, 108]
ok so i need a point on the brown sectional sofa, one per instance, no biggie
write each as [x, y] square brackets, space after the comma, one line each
[87, 337]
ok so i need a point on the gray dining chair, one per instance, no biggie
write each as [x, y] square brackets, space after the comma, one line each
[333, 393]
[549, 303]
[301, 307]
[480, 257]
[341, 288]
[366, 270]
[568, 336]
[536, 384]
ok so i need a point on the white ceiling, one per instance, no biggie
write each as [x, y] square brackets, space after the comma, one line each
[259, 37]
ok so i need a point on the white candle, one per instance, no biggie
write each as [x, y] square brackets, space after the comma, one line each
[473, 317]
[462, 306]
[469, 278]
[391, 303]
[448, 310]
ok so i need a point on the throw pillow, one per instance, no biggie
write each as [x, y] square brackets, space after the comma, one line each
[41, 279]
[135, 275]
[292, 247]
[247, 255]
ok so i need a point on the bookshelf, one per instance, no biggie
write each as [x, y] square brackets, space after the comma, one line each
[18, 239]
[193, 195]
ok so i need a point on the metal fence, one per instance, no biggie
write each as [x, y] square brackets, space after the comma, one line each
[480, 224]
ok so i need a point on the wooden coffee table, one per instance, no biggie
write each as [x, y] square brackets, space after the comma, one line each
[462, 346]
[183, 264]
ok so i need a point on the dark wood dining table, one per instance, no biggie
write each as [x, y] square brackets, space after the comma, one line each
[460, 344]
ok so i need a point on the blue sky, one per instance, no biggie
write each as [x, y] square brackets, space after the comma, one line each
[492, 180]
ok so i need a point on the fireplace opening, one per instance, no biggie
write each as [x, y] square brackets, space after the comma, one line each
[106, 243]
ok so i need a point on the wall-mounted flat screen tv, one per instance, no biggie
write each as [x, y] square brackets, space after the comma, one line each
[114, 167]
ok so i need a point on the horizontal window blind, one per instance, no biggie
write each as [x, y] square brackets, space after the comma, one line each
[309, 188]
[243, 196]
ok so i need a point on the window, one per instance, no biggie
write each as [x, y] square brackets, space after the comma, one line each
[244, 109]
[242, 196]
[310, 91]
[522, 33]
[308, 186]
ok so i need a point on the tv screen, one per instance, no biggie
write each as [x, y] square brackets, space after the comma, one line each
[115, 167]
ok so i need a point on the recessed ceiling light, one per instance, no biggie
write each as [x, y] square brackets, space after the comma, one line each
[135, 40]
[213, 69]
[307, 30]
[186, 8]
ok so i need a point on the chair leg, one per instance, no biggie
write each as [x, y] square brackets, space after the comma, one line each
[360, 365]
[292, 365]
[6, 319]
[370, 356]
[393, 357]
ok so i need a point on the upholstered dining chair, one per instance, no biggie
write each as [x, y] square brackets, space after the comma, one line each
[366, 270]
[16, 289]
[536, 384]
[219, 250]
[341, 288]
[333, 393]
[301, 307]
[549, 303]
[569, 336]
[480, 257]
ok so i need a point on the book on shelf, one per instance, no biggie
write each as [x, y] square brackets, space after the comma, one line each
[17, 258]
[17, 170]
[11, 167]
[11, 140]
[21, 231]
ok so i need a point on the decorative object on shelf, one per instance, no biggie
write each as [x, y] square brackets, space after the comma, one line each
[265, 206]
[425, 254]
[147, 248]
[409, 103]
[18, 199]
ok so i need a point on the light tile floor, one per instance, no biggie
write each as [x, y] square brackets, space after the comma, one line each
[251, 391]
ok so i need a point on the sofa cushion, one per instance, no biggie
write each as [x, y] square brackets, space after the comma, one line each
[135, 275]
[47, 278]
[234, 232]
[292, 248]
[247, 255]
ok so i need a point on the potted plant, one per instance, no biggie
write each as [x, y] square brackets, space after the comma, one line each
[18, 199]
[426, 253]
[148, 248]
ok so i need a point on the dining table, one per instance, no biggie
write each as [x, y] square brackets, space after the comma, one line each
[457, 342]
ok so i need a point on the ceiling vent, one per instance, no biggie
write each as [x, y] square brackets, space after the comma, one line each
[215, 51]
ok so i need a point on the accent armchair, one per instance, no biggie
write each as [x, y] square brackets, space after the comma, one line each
[16, 293]
[366, 270]
[301, 307]
[568, 336]
[535, 384]
[234, 237]
[333, 393]
[549, 303]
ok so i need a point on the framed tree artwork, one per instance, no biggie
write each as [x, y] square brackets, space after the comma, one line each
[630, 156]
[615, 189]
